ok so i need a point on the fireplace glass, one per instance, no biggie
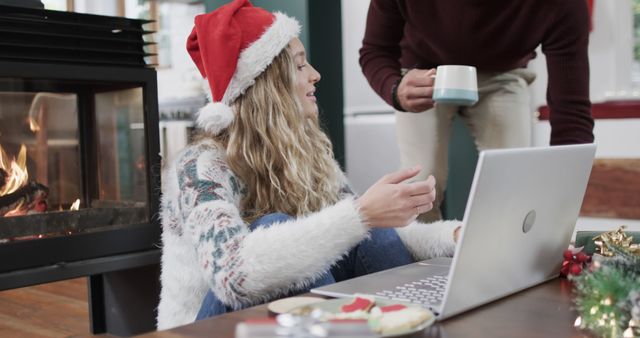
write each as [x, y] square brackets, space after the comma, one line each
[72, 160]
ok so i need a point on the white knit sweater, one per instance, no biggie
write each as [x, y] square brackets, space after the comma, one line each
[207, 245]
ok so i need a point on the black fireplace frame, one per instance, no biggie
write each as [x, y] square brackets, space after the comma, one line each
[81, 254]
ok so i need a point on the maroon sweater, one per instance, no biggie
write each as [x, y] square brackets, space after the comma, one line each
[492, 35]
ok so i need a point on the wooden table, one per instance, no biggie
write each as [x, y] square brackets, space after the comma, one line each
[542, 311]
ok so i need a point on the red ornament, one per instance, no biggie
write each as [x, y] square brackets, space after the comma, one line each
[581, 257]
[574, 262]
[575, 269]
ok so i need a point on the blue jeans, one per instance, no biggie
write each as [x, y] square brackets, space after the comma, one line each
[384, 250]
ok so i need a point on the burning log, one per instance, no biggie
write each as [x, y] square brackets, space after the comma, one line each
[54, 222]
[3, 178]
[30, 198]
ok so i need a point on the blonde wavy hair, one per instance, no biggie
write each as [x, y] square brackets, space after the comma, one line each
[282, 156]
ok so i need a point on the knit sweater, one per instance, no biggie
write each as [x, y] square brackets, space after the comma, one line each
[207, 245]
[494, 36]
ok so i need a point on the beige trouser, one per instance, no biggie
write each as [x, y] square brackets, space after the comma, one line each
[502, 118]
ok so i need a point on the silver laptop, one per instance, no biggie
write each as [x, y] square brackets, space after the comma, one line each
[520, 216]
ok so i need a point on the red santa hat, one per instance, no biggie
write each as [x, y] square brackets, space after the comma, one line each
[231, 46]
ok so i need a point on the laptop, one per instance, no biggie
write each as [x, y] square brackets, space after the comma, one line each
[520, 216]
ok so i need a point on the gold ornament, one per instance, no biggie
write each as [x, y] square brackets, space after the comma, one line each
[606, 240]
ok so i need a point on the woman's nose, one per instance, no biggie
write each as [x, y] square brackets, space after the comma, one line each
[315, 76]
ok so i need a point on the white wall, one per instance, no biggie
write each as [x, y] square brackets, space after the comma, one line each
[182, 78]
[370, 139]
[358, 95]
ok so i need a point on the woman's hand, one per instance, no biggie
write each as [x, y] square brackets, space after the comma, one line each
[415, 91]
[392, 203]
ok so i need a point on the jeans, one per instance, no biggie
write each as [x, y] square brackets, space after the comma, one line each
[383, 250]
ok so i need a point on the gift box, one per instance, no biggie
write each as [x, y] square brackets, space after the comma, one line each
[586, 239]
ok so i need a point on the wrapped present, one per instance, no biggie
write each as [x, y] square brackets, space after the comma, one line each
[594, 241]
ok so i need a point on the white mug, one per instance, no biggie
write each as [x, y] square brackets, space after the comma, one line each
[457, 85]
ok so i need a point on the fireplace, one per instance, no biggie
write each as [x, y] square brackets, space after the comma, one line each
[79, 158]
[45, 191]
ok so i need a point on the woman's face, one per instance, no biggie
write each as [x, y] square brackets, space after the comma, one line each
[306, 78]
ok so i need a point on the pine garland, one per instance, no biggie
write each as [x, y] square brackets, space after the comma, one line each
[604, 297]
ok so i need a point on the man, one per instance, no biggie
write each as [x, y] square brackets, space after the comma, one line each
[405, 40]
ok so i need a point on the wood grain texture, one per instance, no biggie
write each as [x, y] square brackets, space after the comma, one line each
[613, 190]
[57, 309]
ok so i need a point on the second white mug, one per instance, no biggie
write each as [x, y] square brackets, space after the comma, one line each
[456, 84]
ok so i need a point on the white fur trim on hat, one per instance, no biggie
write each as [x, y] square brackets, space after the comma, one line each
[214, 117]
[255, 58]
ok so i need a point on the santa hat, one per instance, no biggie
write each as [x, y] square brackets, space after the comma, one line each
[231, 46]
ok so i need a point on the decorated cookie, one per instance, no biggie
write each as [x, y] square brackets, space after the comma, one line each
[359, 304]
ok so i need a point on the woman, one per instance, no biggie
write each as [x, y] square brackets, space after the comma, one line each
[256, 208]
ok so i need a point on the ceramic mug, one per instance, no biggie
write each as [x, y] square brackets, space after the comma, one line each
[456, 85]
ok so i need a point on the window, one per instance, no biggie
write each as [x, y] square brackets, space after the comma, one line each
[159, 13]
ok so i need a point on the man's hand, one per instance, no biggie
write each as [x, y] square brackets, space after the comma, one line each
[415, 91]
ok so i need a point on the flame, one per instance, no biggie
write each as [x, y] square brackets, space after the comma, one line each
[33, 125]
[16, 170]
[75, 205]
[16, 211]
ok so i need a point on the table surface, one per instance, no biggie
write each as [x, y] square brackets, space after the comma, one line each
[541, 311]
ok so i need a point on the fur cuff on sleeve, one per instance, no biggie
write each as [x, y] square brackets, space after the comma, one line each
[426, 241]
[290, 255]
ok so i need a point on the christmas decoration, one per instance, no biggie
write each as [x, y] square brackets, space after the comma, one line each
[231, 47]
[575, 261]
[616, 238]
[608, 294]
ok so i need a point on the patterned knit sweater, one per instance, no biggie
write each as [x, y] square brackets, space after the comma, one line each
[207, 245]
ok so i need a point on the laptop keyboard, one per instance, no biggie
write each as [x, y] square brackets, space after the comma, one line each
[428, 291]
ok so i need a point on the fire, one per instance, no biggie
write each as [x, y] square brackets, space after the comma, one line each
[33, 125]
[16, 211]
[75, 205]
[15, 169]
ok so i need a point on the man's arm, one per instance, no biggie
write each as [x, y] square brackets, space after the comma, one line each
[565, 46]
[380, 50]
